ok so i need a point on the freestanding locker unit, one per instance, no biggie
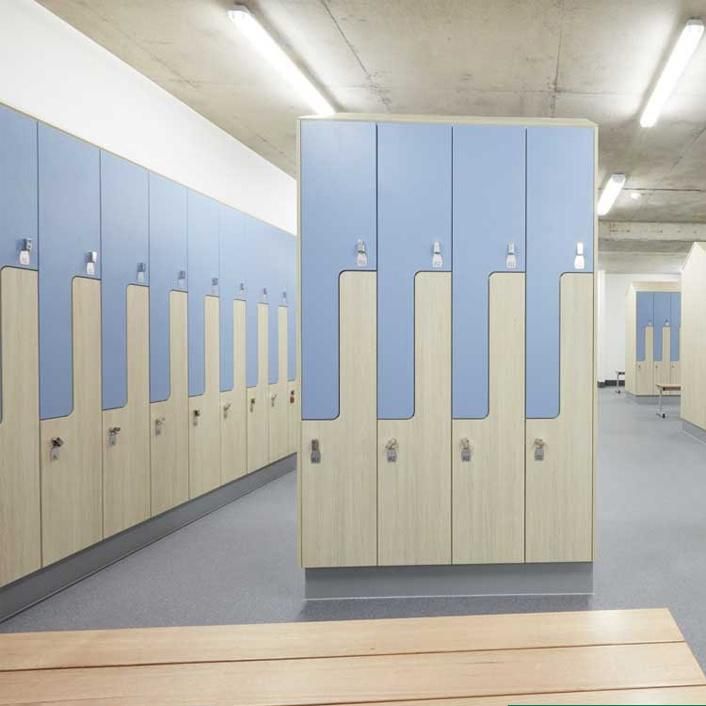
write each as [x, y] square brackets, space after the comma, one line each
[447, 342]
[652, 336]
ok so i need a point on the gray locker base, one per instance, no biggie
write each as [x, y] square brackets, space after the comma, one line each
[667, 400]
[476, 580]
[27, 591]
[693, 430]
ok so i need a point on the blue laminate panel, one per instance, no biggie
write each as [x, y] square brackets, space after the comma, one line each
[69, 227]
[167, 268]
[18, 187]
[661, 318]
[125, 255]
[338, 208]
[488, 216]
[414, 210]
[675, 319]
[232, 282]
[560, 201]
[203, 271]
[645, 316]
[290, 279]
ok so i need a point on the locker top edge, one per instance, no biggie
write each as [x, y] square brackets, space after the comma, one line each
[454, 119]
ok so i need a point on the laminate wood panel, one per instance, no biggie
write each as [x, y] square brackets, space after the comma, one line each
[126, 453]
[72, 493]
[559, 488]
[414, 493]
[294, 417]
[339, 493]
[631, 340]
[258, 402]
[91, 648]
[336, 680]
[693, 337]
[644, 369]
[169, 426]
[663, 367]
[489, 489]
[205, 412]
[279, 404]
[233, 404]
[20, 491]
[675, 373]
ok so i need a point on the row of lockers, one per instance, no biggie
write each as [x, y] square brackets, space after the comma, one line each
[658, 311]
[462, 198]
[147, 345]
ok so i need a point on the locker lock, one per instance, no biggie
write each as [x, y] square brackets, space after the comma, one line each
[284, 297]
[273, 398]
[436, 260]
[195, 415]
[252, 404]
[539, 446]
[91, 260]
[214, 285]
[511, 257]
[226, 410]
[141, 271]
[159, 425]
[55, 445]
[25, 250]
[181, 278]
[391, 450]
[579, 260]
[113, 435]
[264, 295]
[291, 397]
[466, 451]
[315, 451]
[361, 254]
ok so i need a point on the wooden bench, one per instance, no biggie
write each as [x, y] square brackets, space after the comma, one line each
[592, 657]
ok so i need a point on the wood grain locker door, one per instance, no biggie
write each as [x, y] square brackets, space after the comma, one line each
[693, 325]
[294, 417]
[661, 338]
[644, 368]
[339, 490]
[675, 336]
[204, 346]
[169, 405]
[279, 404]
[20, 531]
[69, 344]
[258, 403]
[125, 343]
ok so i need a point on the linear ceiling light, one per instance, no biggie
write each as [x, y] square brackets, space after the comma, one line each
[241, 17]
[673, 69]
[610, 192]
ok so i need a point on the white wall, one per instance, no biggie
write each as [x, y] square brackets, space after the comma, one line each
[54, 73]
[612, 289]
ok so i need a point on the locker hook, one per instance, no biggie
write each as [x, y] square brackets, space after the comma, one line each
[159, 425]
[113, 435]
[466, 451]
[391, 450]
[226, 410]
[55, 444]
[315, 451]
[511, 258]
[436, 260]
[361, 254]
[579, 260]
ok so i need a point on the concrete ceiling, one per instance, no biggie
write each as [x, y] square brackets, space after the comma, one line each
[593, 59]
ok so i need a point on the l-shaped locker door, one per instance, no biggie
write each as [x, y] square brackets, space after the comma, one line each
[661, 338]
[644, 367]
[675, 337]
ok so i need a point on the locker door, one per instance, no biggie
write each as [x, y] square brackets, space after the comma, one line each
[644, 369]
[661, 338]
[125, 341]
[69, 344]
[294, 414]
[257, 396]
[414, 343]
[292, 403]
[339, 489]
[204, 347]
[488, 344]
[560, 346]
[233, 347]
[169, 411]
[20, 533]
[338, 211]
[279, 405]
[675, 335]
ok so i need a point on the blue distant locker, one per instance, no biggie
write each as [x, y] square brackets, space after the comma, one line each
[414, 218]
[18, 188]
[488, 237]
[69, 227]
[675, 320]
[645, 318]
[203, 272]
[167, 268]
[662, 316]
[338, 218]
[560, 223]
[290, 284]
[125, 254]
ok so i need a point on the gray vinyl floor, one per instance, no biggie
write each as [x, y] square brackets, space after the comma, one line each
[238, 565]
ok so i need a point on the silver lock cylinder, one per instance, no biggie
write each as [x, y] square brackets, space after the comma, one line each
[361, 259]
[391, 448]
[466, 451]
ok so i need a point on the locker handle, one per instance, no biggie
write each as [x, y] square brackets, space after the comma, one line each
[361, 254]
[55, 444]
[196, 414]
[273, 398]
[113, 435]
[226, 410]
[315, 451]
[437, 261]
[391, 450]
[466, 451]
[25, 251]
[252, 404]
[511, 257]
[159, 425]
[539, 447]
[291, 397]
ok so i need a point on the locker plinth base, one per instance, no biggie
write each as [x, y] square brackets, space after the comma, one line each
[668, 399]
[458, 580]
[17, 596]
[694, 430]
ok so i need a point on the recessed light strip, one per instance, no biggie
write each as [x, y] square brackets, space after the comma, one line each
[258, 36]
[610, 192]
[679, 58]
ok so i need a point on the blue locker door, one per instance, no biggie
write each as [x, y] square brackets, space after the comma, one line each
[18, 187]
[661, 318]
[232, 279]
[560, 220]
[275, 289]
[203, 273]
[675, 319]
[290, 283]
[167, 268]
[69, 226]
[125, 253]
[414, 212]
[338, 207]
[488, 223]
[645, 317]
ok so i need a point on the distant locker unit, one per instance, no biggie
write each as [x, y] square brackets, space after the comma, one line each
[653, 332]
[447, 352]
[127, 350]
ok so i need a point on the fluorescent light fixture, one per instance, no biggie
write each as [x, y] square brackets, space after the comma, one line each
[610, 192]
[673, 69]
[242, 18]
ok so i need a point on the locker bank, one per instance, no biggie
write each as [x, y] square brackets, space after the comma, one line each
[352, 352]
